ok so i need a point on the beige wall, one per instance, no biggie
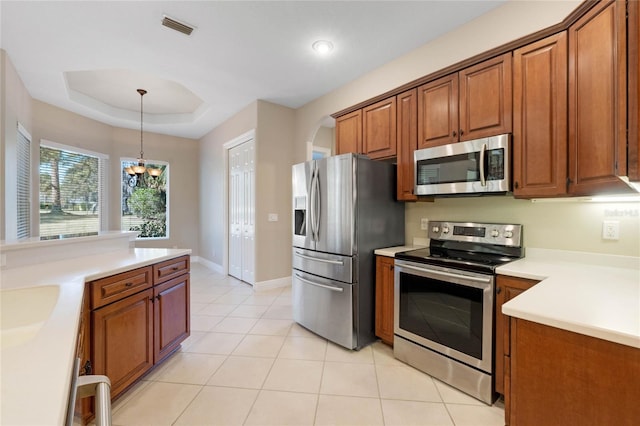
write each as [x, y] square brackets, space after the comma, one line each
[48, 122]
[274, 157]
[274, 126]
[571, 225]
[213, 196]
[15, 106]
[562, 225]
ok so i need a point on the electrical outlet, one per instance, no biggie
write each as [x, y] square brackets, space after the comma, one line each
[273, 217]
[610, 230]
[424, 224]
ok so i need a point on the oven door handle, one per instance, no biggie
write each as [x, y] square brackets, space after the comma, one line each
[448, 274]
[328, 287]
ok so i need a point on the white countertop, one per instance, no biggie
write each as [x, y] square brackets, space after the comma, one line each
[391, 251]
[36, 376]
[596, 295]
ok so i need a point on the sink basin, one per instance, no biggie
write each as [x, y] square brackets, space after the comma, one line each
[23, 312]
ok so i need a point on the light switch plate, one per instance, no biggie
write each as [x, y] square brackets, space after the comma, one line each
[424, 224]
[273, 217]
[610, 230]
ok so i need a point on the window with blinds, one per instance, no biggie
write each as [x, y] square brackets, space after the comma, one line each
[23, 184]
[72, 191]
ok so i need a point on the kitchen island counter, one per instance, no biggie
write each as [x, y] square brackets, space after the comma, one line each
[36, 373]
[592, 294]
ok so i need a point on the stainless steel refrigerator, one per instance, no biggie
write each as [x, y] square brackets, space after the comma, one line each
[344, 208]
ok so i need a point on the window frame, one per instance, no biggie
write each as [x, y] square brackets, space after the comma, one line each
[103, 180]
[167, 201]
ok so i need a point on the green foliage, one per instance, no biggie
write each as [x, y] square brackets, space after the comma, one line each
[149, 204]
[151, 228]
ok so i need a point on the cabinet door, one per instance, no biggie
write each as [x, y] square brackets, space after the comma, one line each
[486, 99]
[438, 112]
[597, 100]
[384, 299]
[633, 91]
[407, 128]
[506, 289]
[123, 340]
[171, 316]
[379, 129]
[349, 133]
[540, 118]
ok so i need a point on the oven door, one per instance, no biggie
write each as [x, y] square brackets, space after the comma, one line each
[447, 310]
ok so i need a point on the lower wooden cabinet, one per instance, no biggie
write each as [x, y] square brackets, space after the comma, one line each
[561, 378]
[122, 338]
[506, 289]
[171, 316]
[384, 299]
[132, 321]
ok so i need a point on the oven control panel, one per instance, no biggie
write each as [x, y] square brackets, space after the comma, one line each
[484, 233]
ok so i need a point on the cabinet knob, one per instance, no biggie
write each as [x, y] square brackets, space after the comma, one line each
[454, 134]
[461, 132]
[391, 267]
[498, 290]
[128, 284]
[515, 185]
[175, 268]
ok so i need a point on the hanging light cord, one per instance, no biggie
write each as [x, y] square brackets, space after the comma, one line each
[142, 93]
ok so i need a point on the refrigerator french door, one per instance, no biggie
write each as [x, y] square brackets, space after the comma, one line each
[344, 208]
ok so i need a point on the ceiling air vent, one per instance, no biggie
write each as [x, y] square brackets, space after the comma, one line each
[176, 25]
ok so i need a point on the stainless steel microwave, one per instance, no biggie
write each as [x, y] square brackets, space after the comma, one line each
[475, 167]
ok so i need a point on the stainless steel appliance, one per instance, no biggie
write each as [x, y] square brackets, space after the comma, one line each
[344, 208]
[473, 167]
[444, 302]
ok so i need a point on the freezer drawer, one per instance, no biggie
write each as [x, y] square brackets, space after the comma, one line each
[324, 307]
[331, 266]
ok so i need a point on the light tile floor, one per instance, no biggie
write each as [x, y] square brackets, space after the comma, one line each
[248, 363]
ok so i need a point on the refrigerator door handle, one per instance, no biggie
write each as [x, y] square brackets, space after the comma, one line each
[312, 209]
[318, 205]
[328, 287]
[317, 259]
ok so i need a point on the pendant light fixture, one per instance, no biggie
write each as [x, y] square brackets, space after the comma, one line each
[140, 168]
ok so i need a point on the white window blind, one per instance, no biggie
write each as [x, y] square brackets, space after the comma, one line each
[23, 185]
[72, 191]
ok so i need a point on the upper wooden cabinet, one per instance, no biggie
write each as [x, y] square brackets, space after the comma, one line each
[349, 133]
[597, 100]
[407, 139]
[370, 131]
[379, 129]
[473, 103]
[540, 118]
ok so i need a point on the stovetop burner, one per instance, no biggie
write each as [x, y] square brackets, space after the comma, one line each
[469, 246]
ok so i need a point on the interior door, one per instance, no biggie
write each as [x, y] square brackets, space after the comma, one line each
[242, 212]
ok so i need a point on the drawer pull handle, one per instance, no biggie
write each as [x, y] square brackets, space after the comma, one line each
[128, 284]
[175, 268]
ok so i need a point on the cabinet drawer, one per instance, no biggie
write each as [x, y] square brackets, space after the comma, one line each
[116, 287]
[171, 268]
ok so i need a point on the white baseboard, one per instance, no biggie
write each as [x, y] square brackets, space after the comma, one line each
[207, 264]
[269, 284]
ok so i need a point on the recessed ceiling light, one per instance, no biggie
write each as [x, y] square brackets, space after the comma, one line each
[322, 46]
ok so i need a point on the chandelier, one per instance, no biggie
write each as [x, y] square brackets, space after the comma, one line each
[139, 169]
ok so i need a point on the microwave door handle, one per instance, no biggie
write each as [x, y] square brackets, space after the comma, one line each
[483, 151]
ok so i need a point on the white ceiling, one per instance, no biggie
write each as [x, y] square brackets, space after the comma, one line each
[89, 57]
